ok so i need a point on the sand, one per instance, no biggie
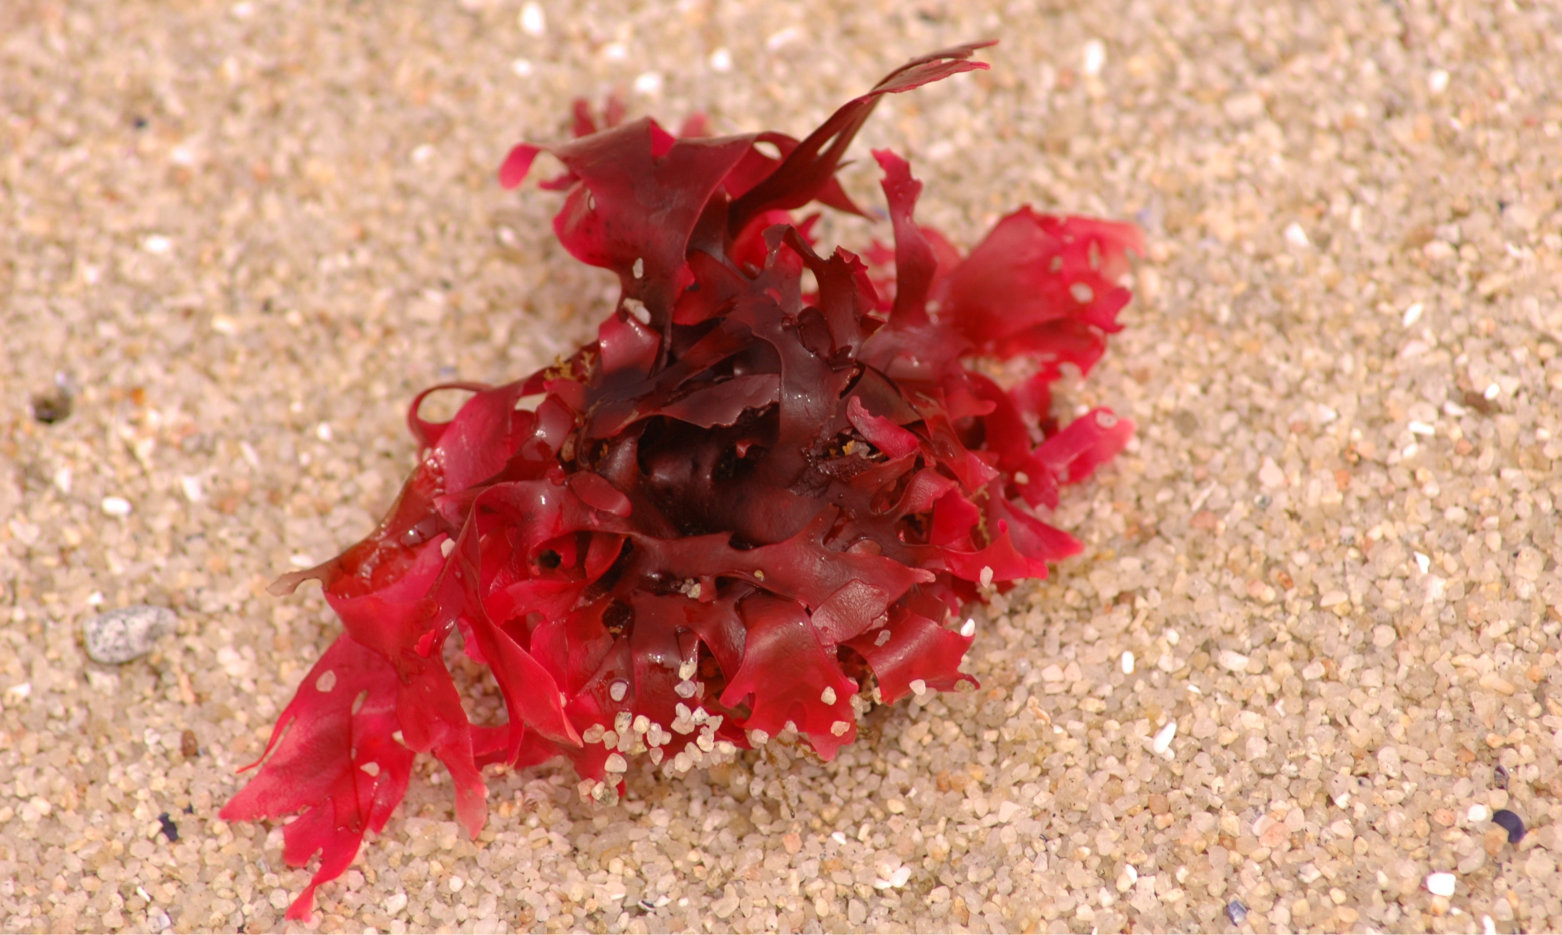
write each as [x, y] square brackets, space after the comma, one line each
[1311, 644]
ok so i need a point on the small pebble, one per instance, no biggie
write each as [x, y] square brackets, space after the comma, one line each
[1095, 57]
[119, 636]
[1270, 474]
[1510, 822]
[170, 830]
[1236, 912]
[648, 83]
[1494, 841]
[533, 21]
[52, 405]
[1440, 884]
[1232, 660]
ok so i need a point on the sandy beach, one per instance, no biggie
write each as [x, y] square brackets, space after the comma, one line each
[1308, 653]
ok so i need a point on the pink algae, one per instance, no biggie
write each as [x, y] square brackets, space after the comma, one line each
[759, 500]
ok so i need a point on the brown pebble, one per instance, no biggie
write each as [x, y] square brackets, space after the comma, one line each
[1478, 402]
[52, 405]
[188, 744]
[1494, 840]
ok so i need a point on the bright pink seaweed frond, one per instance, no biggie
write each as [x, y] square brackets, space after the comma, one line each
[750, 508]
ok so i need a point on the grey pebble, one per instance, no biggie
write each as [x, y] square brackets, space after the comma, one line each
[118, 636]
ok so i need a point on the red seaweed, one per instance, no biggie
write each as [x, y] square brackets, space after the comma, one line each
[755, 504]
